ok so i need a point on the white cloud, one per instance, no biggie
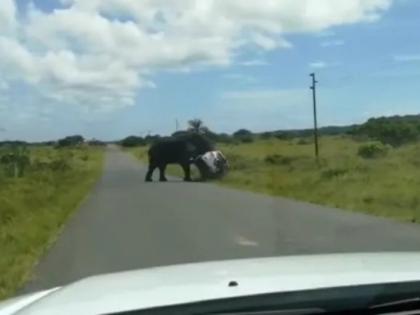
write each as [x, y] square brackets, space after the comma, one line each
[7, 16]
[407, 58]
[318, 64]
[240, 77]
[254, 63]
[99, 53]
[332, 43]
[327, 33]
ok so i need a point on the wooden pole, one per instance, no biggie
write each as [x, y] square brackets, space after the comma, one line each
[316, 136]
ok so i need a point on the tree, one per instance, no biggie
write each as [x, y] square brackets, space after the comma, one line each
[132, 141]
[197, 126]
[242, 133]
[395, 131]
[152, 138]
[180, 133]
[71, 141]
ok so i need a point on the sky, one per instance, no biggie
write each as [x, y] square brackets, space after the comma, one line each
[107, 69]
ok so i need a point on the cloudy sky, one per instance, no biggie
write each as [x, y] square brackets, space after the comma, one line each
[109, 68]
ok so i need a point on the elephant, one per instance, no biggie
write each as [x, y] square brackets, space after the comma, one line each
[182, 150]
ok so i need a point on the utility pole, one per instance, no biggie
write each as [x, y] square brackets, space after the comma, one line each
[313, 88]
[176, 125]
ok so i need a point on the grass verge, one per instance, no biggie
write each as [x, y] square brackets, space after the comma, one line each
[383, 186]
[35, 207]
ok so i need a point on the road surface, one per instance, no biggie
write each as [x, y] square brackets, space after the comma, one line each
[126, 223]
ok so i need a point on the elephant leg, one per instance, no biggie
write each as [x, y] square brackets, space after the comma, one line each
[149, 175]
[204, 171]
[162, 169]
[187, 171]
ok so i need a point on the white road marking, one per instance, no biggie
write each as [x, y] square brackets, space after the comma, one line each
[240, 240]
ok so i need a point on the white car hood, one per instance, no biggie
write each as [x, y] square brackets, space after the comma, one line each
[164, 286]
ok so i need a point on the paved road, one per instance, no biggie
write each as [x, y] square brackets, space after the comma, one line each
[128, 224]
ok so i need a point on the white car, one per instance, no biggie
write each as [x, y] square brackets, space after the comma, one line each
[212, 165]
[367, 283]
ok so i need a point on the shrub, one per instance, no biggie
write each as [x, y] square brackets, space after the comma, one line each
[333, 172]
[60, 165]
[282, 136]
[266, 135]
[246, 139]
[277, 159]
[372, 151]
[393, 131]
[15, 161]
[239, 162]
[84, 157]
[304, 141]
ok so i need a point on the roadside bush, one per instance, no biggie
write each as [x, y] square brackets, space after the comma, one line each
[61, 161]
[372, 151]
[15, 161]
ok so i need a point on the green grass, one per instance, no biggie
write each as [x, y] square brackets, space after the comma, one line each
[35, 207]
[387, 186]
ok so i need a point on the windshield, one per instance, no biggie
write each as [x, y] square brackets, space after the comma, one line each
[146, 133]
[398, 298]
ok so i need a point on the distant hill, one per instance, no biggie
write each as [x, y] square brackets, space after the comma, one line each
[398, 118]
[327, 131]
[407, 120]
[394, 130]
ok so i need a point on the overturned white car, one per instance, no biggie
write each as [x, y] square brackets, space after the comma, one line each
[212, 165]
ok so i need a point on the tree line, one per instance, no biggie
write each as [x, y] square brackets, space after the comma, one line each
[394, 131]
